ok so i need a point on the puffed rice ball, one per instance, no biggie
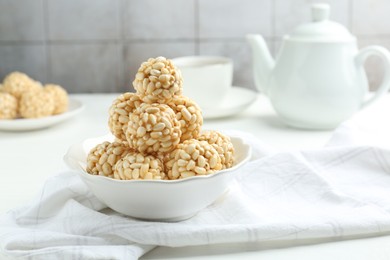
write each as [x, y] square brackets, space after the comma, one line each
[17, 83]
[8, 106]
[222, 144]
[60, 97]
[191, 158]
[102, 158]
[153, 128]
[189, 115]
[119, 113]
[35, 104]
[158, 80]
[135, 166]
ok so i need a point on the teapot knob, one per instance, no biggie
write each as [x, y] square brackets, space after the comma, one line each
[320, 12]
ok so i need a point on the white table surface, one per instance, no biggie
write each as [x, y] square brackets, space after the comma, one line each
[28, 158]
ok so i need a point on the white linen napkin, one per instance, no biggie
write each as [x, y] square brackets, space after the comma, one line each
[336, 192]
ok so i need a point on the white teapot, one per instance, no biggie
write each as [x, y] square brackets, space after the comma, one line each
[318, 79]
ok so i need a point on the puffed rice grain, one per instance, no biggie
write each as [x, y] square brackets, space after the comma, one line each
[222, 144]
[189, 115]
[119, 113]
[158, 80]
[17, 83]
[192, 158]
[102, 158]
[60, 97]
[153, 128]
[8, 106]
[135, 166]
[35, 104]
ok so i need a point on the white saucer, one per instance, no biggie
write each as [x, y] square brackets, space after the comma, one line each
[236, 100]
[22, 124]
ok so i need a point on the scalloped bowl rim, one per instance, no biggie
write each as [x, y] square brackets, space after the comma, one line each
[109, 137]
[156, 200]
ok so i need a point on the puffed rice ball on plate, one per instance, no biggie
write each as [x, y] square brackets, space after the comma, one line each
[189, 115]
[119, 113]
[135, 166]
[102, 158]
[17, 83]
[153, 128]
[36, 104]
[8, 106]
[222, 144]
[192, 158]
[60, 97]
[158, 80]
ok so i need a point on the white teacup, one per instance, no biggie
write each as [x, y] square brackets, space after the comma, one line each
[206, 79]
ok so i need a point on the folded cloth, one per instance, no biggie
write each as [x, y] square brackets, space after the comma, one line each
[339, 191]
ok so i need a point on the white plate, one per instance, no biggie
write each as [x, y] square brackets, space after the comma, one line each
[159, 200]
[22, 124]
[235, 101]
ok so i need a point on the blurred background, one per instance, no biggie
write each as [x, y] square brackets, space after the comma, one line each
[96, 46]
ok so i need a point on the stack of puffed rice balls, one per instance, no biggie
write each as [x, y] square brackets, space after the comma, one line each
[23, 97]
[158, 132]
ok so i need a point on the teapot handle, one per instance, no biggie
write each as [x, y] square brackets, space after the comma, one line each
[384, 54]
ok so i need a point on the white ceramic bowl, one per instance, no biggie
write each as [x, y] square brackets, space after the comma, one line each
[27, 124]
[159, 200]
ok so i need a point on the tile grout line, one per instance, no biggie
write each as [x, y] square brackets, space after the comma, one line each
[22, 42]
[81, 42]
[196, 25]
[46, 40]
[273, 25]
[121, 47]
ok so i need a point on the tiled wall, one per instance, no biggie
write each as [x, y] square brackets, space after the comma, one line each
[96, 46]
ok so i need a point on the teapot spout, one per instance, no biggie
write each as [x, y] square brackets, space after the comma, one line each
[263, 62]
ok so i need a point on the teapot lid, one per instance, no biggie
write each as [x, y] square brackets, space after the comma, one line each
[321, 29]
